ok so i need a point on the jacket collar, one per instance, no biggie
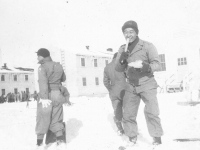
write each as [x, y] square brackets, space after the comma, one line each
[138, 46]
[46, 59]
[132, 45]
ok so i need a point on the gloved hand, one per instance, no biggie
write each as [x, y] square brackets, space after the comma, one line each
[67, 100]
[45, 102]
[145, 67]
[122, 48]
[123, 58]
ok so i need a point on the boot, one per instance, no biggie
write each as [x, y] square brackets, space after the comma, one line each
[39, 145]
[61, 144]
[133, 139]
[39, 142]
[157, 141]
[59, 140]
[120, 128]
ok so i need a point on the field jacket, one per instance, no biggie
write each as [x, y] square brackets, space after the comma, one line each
[50, 76]
[146, 52]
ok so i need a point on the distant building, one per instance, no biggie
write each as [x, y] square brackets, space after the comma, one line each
[16, 80]
[84, 70]
[180, 60]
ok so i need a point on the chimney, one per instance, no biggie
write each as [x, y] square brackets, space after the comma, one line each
[5, 66]
[110, 50]
[87, 47]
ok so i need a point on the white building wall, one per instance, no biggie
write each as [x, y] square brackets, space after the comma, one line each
[90, 72]
[71, 62]
[71, 73]
[183, 43]
[9, 84]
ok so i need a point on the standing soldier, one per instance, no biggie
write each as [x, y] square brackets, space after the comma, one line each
[115, 83]
[139, 62]
[8, 97]
[19, 96]
[1, 98]
[49, 107]
[15, 97]
[23, 96]
[27, 103]
[35, 96]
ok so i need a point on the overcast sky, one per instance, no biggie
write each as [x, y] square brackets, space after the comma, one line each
[27, 25]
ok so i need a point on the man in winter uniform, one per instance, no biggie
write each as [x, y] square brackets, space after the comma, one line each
[115, 82]
[49, 106]
[139, 62]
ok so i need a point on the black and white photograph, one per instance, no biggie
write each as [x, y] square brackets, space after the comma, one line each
[100, 74]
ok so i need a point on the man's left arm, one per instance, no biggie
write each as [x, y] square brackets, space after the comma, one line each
[43, 83]
[153, 58]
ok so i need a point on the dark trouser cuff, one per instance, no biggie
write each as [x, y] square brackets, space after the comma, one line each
[39, 142]
[60, 138]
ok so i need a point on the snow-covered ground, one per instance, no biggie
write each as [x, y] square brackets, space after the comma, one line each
[90, 125]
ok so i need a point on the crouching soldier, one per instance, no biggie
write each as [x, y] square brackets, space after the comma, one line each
[115, 83]
[49, 106]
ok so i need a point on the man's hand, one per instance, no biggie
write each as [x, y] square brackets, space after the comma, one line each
[45, 102]
[136, 64]
[122, 48]
[123, 57]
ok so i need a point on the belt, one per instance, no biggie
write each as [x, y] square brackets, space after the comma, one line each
[54, 86]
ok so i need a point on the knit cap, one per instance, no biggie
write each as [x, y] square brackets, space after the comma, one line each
[130, 24]
[43, 52]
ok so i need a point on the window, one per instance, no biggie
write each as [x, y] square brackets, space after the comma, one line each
[2, 77]
[15, 90]
[97, 81]
[162, 62]
[84, 81]
[95, 62]
[26, 77]
[182, 61]
[83, 62]
[106, 61]
[3, 91]
[15, 77]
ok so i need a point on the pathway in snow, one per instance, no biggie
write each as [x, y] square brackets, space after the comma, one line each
[90, 125]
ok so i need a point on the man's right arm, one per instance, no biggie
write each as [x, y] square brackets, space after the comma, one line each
[121, 60]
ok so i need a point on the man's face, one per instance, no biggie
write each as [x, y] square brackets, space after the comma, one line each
[39, 58]
[130, 33]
